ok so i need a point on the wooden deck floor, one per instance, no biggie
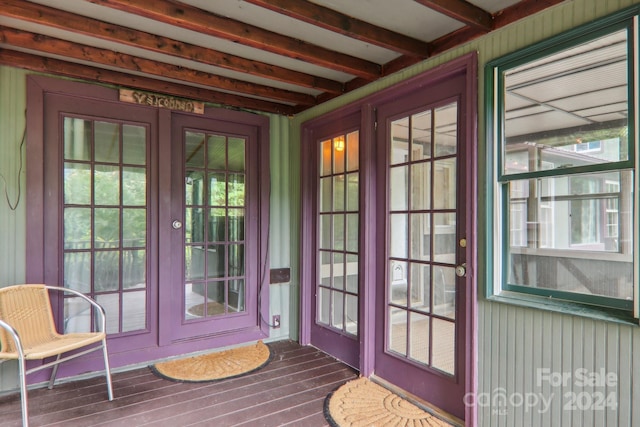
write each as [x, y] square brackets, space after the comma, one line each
[289, 391]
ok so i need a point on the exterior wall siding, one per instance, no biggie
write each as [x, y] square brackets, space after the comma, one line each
[12, 178]
[12, 184]
[518, 344]
[282, 296]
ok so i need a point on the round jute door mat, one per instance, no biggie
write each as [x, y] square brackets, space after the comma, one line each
[215, 366]
[363, 403]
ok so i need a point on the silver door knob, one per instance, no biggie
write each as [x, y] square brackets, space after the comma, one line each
[461, 270]
[177, 225]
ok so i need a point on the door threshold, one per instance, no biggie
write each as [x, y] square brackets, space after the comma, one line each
[421, 403]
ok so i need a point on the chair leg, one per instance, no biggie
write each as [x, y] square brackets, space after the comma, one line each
[22, 372]
[54, 372]
[107, 370]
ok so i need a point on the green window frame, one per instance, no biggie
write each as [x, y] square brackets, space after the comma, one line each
[563, 172]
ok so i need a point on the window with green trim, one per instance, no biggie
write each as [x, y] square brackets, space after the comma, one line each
[562, 133]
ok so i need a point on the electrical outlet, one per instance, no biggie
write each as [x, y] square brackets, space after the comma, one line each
[276, 321]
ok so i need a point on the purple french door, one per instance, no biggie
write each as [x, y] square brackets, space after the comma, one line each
[420, 309]
[336, 278]
[99, 237]
[214, 282]
[158, 215]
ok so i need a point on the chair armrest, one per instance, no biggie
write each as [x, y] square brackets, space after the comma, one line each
[14, 335]
[102, 315]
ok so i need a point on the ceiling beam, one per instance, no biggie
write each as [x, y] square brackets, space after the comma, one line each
[50, 65]
[109, 58]
[48, 16]
[462, 11]
[192, 18]
[520, 10]
[511, 14]
[332, 20]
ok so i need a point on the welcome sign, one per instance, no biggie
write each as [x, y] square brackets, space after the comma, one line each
[161, 101]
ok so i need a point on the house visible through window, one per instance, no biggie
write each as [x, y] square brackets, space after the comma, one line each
[565, 175]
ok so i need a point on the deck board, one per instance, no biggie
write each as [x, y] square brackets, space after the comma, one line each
[290, 390]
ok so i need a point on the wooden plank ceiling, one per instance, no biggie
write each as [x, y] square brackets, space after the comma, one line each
[278, 56]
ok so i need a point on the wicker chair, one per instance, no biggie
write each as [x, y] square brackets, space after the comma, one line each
[28, 332]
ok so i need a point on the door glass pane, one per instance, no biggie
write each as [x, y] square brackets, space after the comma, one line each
[398, 190]
[444, 291]
[324, 307]
[399, 284]
[353, 153]
[353, 187]
[399, 141]
[446, 133]
[444, 345]
[236, 260]
[352, 273]
[352, 232]
[420, 186]
[214, 229]
[213, 260]
[107, 142]
[420, 243]
[134, 185]
[134, 145]
[77, 139]
[421, 135]
[421, 288]
[106, 181]
[325, 158]
[134, 308]
[419, 342]
[77, 183]
[444, 186]
[236, 154]
[194, 149]
[134, 228]
[338, 232]
[134, 269]
[339, 145]
[444, 239]
[105, 218]
[236, 222]
[217, 152]
[338, 270]
[338, 224]
[337, 310]
[325, 269]
[106, 225]
[195, 306]
[398, 233]
[76, 316]
[236, 295]
[77, 228]
[217, 225]
[110, 303]
[397, 334]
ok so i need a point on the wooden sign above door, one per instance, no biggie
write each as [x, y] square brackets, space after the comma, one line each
[162, 101]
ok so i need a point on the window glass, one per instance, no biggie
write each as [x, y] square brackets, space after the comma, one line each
[568, 109]
[566, 169]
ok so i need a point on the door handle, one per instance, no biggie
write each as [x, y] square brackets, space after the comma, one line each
[461, 270]
[176, 224]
